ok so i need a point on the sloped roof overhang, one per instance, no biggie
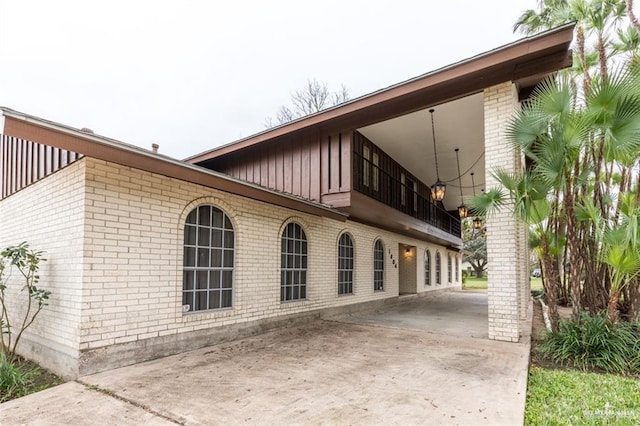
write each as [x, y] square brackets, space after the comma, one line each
[50, 133]
[526, 62]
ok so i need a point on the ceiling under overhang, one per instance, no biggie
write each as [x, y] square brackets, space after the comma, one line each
[458, 124]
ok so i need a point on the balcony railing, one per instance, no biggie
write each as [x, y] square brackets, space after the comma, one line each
[403, 192]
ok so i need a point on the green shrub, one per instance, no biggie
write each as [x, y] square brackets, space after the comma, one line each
[536, 292]
[13, 380]
[465, 274]
[592, 342]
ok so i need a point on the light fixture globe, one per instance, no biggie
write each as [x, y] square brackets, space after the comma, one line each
[463, 211]
[477, 223]
[438, 190]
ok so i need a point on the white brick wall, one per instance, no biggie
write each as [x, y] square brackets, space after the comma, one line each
[48, 215]
[505, 239]
[114, 236]
[133, 258]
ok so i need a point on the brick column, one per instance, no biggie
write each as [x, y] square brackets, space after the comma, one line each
[504, 234]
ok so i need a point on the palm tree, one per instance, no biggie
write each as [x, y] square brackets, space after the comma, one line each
[559, 130]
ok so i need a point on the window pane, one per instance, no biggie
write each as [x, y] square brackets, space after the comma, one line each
[192, 216]
[227, 279]
[187, 280]
[216, 258]
[203, 237]
[216, 238]
[201, 300]
[204, 215]
[214, 299]
[303, 292]
[228, 239]
[226, 298]
[215, 279]
[190, 235]
[217, 218]
[187, 299]
[203, 257]
[228, 259]
[227, 223]
[189, 256]
[202, 280]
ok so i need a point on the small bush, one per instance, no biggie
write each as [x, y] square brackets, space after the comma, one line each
[537, 293]
[465, 275]
[592, 342]
[13, 379]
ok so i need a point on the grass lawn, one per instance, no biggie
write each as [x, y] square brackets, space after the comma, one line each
[473, 283]
[556, 397]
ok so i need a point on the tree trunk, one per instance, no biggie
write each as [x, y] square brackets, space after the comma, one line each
[551, 278]
[612, 308]
[478, 269]
[632, 16]
[580, 41]
[573, 243]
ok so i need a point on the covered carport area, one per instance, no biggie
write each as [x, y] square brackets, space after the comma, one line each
[451, 124]
[459, 313]
[417, 362]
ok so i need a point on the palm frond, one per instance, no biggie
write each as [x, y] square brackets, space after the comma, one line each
[491, 201]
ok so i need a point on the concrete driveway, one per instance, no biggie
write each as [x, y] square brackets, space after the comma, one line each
[423, 361]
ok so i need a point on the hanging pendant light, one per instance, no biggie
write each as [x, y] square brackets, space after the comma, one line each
[477, 222]
[437, 189]
[463, 212]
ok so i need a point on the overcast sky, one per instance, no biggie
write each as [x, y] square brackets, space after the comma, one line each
[194, 74]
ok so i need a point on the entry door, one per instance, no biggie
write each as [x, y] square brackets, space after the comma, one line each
[407, 273]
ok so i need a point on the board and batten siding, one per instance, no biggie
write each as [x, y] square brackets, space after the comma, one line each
[310, 168]
[24, 162]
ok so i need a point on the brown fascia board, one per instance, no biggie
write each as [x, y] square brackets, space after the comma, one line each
[538, 55]
[49, 133]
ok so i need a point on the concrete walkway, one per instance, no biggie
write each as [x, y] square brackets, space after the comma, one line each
[423, 361]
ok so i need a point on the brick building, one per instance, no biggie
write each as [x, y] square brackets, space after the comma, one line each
[150, 256]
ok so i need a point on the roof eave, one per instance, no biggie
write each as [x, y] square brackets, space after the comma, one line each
[35, 129]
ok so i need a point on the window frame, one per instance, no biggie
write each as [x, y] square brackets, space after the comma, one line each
[346, 264]
[290, 274]
[438, 268]
[378, 261]
[449, 269]
[427, 268]
[199, 258]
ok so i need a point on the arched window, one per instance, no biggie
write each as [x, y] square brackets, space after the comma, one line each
[438, 269]
[378, 266]
[457, 268]
[449, 269]
[345, 264]
[209, 254]
[427, 267]
[293, 263]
